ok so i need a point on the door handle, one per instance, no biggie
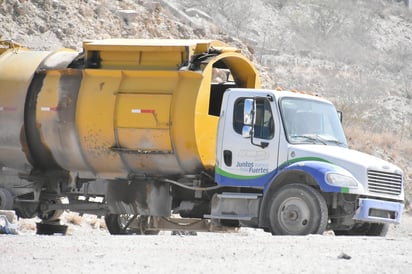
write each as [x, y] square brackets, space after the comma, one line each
[227, 157]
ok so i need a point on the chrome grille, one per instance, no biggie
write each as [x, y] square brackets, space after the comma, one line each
[384, 182]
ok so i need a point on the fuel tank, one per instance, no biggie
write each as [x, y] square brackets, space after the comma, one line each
[119, 108]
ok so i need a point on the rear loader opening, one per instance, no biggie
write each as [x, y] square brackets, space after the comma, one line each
[222, 79]
[229, 72]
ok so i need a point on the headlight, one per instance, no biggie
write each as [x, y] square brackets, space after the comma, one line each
[337, 179]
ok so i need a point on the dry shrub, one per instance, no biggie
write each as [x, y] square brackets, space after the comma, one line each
[74, 218]
[94, 223]
[26, 225]
[91, 220]
[103, 224]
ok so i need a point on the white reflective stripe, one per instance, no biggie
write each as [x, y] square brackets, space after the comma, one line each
[48, 108]
[6, 108]
[136, 110]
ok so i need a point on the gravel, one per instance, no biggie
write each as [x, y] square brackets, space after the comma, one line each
[88, 248]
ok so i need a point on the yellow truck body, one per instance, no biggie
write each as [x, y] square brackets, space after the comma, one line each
[135, 106]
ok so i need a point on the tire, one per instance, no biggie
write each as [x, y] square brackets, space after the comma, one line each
[52, 215]
[6, 199]
[365, 229]
[26, 210]
[50, 228]
[117, 224]
[297, 209]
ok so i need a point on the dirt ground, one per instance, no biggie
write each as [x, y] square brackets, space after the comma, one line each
[88, 248]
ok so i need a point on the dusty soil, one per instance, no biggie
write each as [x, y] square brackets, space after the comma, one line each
[88, 248]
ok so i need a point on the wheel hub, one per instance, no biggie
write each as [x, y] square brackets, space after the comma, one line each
[294, 215]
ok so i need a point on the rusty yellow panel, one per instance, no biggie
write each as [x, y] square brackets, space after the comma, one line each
[203, 96]
[142, 121]
[148, 81]
[155, 59]
[119, 59]
[242, 69]
[143, 111]
[140, 53]
[206, 129]
[16, 72]
[144, 139]
[202, 47]
[183, 116]
[47, 99]
[205, 126]
[94, 119]
[139, 44]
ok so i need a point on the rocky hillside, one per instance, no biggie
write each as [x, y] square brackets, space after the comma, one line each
[357, 53]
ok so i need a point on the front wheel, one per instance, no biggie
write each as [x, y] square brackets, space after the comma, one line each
[120, 224]
[297, 209]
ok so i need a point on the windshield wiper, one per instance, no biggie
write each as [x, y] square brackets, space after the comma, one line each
[318, 139]
[312, 139]
[329, 140]
[333, 141]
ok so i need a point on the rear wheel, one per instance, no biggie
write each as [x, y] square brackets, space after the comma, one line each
[50, 215]
[120, 224]
[297, 209]
[6, 199]
[50, 219]
[117, 224]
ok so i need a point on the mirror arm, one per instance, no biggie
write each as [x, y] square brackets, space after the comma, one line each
[264, 144]
[261, 145]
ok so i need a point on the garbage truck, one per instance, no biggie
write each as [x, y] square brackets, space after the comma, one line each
[178, 135]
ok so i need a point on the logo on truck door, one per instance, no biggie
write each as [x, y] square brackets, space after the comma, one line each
[255, 161]
[253, 167]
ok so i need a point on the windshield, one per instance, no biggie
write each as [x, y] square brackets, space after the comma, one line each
[309, 121]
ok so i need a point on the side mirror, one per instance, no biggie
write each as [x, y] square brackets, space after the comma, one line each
[340, 115]
[249, 121]
[247, 131]
[248, 112]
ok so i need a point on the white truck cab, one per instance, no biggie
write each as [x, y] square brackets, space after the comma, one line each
[288, 153]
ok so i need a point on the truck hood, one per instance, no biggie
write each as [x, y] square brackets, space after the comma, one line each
[355, 162]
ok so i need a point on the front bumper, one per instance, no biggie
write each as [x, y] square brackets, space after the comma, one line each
[378, 211]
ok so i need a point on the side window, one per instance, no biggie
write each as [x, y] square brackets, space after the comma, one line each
[238, 116]
[264, 125]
